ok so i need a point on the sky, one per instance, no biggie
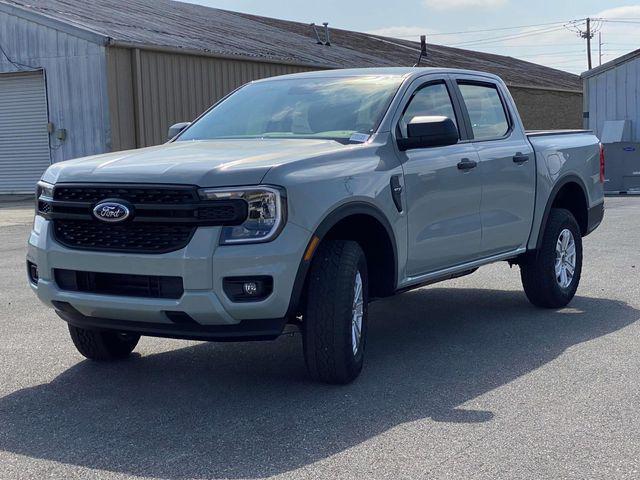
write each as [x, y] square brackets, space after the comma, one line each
[542, 31]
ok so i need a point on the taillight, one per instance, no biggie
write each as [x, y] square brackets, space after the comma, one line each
[601, 163]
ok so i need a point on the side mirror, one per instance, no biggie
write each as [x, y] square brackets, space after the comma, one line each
[176, 129]
[433, 131]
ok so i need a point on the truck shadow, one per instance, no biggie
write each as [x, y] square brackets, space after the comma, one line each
[248, 411]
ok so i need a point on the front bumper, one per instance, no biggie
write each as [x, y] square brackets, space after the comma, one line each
[264, 329]
[202, 265]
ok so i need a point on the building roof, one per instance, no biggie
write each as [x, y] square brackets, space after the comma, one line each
[404, 73]
[612, 64]
[199, 29]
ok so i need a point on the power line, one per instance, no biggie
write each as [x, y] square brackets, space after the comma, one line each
[618, 21]
[554, 54]
[569, 24]
[585, 28]
[486, 30]
[539, 45]
[621, 44]
[18, 65]
[509, 37]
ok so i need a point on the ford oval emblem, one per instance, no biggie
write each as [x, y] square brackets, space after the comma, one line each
[111, 212]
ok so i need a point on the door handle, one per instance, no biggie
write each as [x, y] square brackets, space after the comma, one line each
[466, 164]
[520, 158]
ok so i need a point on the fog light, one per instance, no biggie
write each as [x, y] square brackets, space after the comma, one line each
[32, 270]
[247, 289]
[250, 288]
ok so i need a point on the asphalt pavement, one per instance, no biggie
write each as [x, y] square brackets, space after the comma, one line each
[463, 380]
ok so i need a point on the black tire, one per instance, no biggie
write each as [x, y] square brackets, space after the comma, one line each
[538, 269]
[103, 345]
[327, 319]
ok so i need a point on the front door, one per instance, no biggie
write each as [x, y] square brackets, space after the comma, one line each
[441, 191]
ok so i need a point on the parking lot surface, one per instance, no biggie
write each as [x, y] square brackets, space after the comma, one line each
[463, 379]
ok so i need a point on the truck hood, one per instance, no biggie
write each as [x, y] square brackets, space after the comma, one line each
[209, 163]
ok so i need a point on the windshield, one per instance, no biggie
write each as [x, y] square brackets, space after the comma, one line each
[333, 108]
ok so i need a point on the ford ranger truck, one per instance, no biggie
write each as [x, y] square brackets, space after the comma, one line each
[299, 199]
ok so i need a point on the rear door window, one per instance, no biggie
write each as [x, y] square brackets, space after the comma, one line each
[486, 111]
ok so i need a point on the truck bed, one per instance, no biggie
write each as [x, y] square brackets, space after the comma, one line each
[538, 133]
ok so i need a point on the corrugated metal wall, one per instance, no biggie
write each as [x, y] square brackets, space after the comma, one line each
[614, 94]
[24, 139]
[76, 83]
[153, 90]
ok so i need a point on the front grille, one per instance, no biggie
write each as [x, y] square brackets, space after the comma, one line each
[148, 286]
[145, 195]
[217, 213]
[44, 207]
[128, 237]
[163, 218]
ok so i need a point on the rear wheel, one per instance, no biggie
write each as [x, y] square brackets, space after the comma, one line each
[335, 317]
[103, 345]
[551, 277]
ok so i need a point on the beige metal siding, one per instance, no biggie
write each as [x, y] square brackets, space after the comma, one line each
[120, 92]
[548, 109]
[24, 139]
[167, 88]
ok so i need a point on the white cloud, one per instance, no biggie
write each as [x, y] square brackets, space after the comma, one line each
[458, 4]
[630, 11]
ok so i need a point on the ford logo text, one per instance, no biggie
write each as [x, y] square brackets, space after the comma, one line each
[111, 212]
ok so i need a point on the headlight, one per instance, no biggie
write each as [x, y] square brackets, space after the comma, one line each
[267, 213]
[44, 190]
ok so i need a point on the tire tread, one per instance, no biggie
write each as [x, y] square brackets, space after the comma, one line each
[329, 299]
[539, 285]
[101, 345]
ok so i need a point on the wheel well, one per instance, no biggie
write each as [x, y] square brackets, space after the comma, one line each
[374, 240]
[571, 197]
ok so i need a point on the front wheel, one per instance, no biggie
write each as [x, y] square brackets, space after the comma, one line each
[335, 317]
[551, 276]
[103, 345]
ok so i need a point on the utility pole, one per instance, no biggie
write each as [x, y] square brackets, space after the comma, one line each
[599, 48]
[588, 35]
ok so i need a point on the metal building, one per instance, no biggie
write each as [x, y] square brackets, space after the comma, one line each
[80, 78]
[612, 111]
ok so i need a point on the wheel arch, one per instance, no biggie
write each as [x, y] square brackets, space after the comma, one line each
[570, 193]
[339, 223]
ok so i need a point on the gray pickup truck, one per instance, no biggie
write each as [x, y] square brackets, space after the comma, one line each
[298, 200]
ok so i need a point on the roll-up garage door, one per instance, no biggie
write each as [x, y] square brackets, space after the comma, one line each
[24, 137]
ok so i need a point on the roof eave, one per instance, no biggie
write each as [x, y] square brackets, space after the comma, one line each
[204, 53]
[82, 32]
[548, 88]
[611, 64]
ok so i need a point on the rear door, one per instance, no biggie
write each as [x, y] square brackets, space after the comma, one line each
[507, 164]
[443, 200]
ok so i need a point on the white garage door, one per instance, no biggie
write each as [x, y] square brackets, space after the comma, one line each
[24, 138]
